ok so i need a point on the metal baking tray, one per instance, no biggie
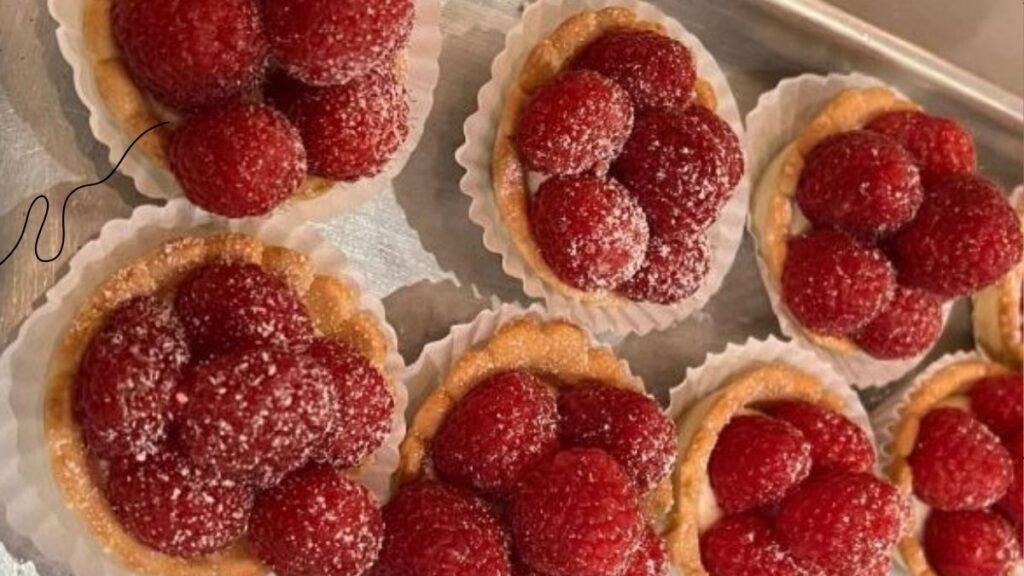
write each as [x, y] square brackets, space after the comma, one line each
[414, 242]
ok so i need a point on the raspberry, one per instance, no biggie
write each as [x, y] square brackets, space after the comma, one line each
[672, 270]
[832, 285]
[629, 426]
[228, 306]
[215, 53]
[859, 182]
[836, 443]
[656, 70]
[238, 159]
[682, 166]
[743, 545]
[504, 426]
[364, 403]
[590, 231]
[316, 521]
[576, 122]
[176, 508]
[331, 42]
[434, 530]
[940, 146]
[756, 462]
[1012, 505]
[350, 131]
[840, 522]
[907, 326]
[127, 377]
[965, 236]
[957, 463]
[998, 401]
[257, 415]
[969, 543]
[577, 515]
[651, 558]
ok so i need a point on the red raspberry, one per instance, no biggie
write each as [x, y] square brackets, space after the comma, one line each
[504, 426]
[957, 463]
[656, 70]
[836, 442]
[859, 182]
[238, 159]
[576, 122]
[229, 306]
[651, 558]
[331, 42]
[682, 166]
[756, 462]
[350, 131]
[907, 326]
[629, 426]
[257, 415]
[127, 377]
[743, 545]
[590, 231]
[364, 400]
[215, 53]
[840, 522]
[969, 543]
[176, 508]
[577, 515]
[434, 530]
[316, 521]
[965, 236]
[1012, 505]
[832, 285]
[998, 401]
[672, 270]
[940, 146]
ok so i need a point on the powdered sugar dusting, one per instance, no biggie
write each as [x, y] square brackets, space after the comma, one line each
[673, 269]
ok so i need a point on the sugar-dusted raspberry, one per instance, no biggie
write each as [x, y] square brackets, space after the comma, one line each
[590, 231]
[317, 521]
[907, 326]
[237, 159]
[957, 463]
[756, 462]
[127, 377]
[215, 53]
[230, 306]
[672, 270]
[577, 515]
[504, 426]
[682, 166]
[940, 146]
[176, 508]
[832, 285]
[860, 182]
[839, 522]
[628, 425]
[836, 442]
[434, 530]
[1012, 505]
[365, 403]
[651, 558]
[743, 545]
[349, 131]
[331, 42]
[965, 236]
[998, 401]
[656, 70]
[254, 416]
[969, 543]
[576, 122]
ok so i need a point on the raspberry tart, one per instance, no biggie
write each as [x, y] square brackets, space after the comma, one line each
[206, 406]
[997, 314]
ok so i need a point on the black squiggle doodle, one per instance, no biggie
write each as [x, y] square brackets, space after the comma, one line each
[64, 207]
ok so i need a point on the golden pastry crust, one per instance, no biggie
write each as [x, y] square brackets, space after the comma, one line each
[330, 302]
[774, 197]
[997, 313]
[774, 381]
[545, 61]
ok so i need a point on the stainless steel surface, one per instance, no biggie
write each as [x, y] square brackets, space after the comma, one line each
[415, 243]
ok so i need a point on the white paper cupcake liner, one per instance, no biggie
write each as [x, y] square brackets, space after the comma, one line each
[724, 237]
[779, 117]
[35, 507]
[421, 75]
